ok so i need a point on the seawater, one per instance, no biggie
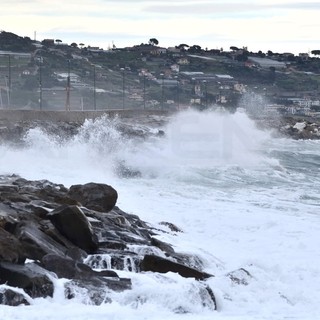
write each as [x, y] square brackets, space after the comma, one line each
[243, 199]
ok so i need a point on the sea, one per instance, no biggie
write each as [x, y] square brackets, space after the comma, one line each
[244, 199]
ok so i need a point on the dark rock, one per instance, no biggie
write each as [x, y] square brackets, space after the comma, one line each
[70, 250]
[71, 269]
[171, 226]
[10, 248]
[37, 243]
[95, 196]
[34, 225]
[7, 222]
[190, 260]
[114, 245]
[167, 248]
[29, 277]
[161, 265]
[74, 225]
[10, 297]
[118, 229]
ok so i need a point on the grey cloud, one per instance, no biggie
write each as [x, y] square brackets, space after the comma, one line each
[298, 5]
[209, 8]
[203, 8]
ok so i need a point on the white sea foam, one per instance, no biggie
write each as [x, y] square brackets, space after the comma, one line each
[242, 198]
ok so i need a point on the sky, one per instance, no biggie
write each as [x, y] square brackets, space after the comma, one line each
[276, 25]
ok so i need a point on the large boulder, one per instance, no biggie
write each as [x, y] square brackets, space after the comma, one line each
[72, 223]
[36, 243]
[158, 264]
[95, 196]
[30, 277]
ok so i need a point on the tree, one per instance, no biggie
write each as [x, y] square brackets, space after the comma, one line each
[81, 45]
[242, 57]
[182, 46]
[153, 41]
[233, 48]
[316, 52]
[58, 41]
[195, 49]
[74, 45]
[270, 53]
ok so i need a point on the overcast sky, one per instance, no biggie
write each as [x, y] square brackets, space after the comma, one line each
[277, 25]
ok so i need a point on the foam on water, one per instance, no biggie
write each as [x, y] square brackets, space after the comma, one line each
[242, 198]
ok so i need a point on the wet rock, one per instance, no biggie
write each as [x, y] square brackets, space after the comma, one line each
[115, 260]
[171, 226]
[30, 277]
[95, 196]
[74, 225]
[36, 243]
[11, 297]
[10, 248]
[294, 127]
[95, 291]
[71, 269]
[161, 265]
[165, 247]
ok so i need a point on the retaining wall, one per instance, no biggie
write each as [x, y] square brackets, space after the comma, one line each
[71, 116]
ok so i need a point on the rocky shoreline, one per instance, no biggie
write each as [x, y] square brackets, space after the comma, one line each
[294, 127]
[48, 231]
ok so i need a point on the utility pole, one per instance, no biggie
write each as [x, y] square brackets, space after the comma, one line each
[94, 88]
[206, 93]
[123, 87]
[178, 97]
[9, 79]
[162, 90]
[144, 91]
[68, 89]
[40, 83]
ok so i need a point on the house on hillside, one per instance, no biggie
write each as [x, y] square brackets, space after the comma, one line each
[48, 42]
[183, 61]
[304, 56]
[175, 51]
[63, 76]
[158, 51]
[175, 67]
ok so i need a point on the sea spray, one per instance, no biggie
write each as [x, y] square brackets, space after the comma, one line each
[196, 141]
[193, 141]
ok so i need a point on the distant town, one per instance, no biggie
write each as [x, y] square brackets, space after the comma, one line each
[53, 75]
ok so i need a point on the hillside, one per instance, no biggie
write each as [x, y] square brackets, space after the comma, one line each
[51, 75]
